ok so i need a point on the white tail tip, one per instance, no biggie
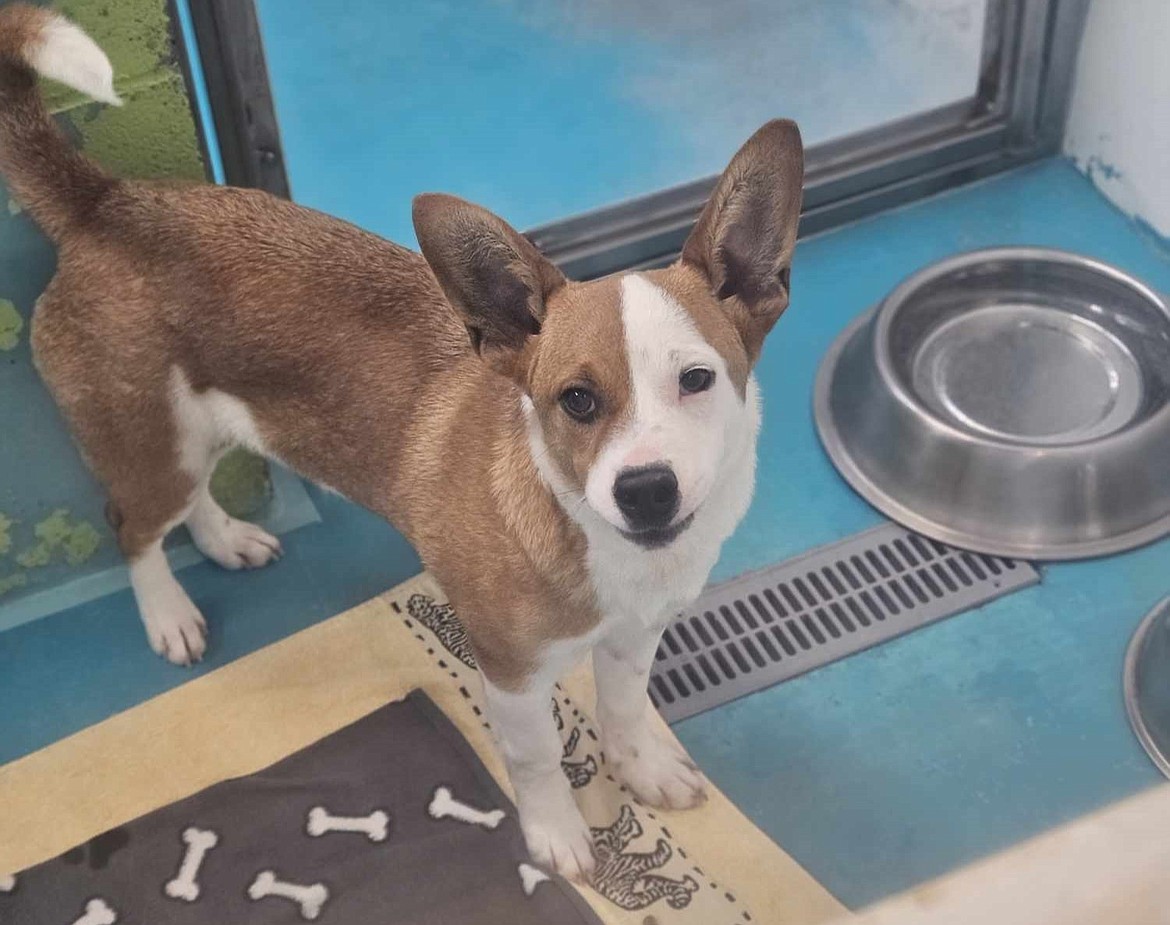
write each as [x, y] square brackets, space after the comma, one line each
[66, 54]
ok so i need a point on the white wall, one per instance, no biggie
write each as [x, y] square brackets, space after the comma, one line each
[1119, 127]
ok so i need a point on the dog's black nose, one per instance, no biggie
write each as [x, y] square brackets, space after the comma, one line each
[647, 496]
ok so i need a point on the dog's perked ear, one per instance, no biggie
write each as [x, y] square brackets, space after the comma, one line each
[492, 275]
[745, 236]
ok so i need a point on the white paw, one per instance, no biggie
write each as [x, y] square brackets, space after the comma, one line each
[235, 544]
[176, 629]
[558, 839]
[658, 772]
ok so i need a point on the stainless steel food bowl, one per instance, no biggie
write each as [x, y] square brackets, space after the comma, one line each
[1013, 401]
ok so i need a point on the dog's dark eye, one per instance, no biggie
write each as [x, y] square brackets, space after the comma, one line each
[579, 404]
[696, 379]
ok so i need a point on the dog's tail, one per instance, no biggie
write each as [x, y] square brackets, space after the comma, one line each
[57, 186]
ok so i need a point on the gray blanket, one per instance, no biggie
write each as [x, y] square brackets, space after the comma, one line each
[390, 821]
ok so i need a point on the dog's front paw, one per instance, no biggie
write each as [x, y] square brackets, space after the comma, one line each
[658, 772]
[558, 839]
[178, 633]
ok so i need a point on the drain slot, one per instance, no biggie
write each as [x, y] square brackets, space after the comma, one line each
[748, 634]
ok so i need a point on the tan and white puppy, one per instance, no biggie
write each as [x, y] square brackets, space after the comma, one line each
[566, 457]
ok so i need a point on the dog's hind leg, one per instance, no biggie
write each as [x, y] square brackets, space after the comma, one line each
[147, 501]
[174, 626]
[160, 481]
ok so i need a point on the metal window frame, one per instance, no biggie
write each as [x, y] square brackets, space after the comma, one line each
[1015, 116]
[231, 55]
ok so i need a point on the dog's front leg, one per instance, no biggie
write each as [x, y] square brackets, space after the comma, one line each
[651, 764]
[554, 829]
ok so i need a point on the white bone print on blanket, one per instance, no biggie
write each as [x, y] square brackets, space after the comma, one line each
[97, 912]
[445, 806]
[310, 897]
[375, 826]
[185, 884]
[530, 878]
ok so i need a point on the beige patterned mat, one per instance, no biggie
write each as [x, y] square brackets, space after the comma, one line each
[709, 866]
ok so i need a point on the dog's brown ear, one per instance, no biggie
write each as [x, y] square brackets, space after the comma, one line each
[492, 275]
[744, 239]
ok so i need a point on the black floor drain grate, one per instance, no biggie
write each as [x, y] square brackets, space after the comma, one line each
[768, 626]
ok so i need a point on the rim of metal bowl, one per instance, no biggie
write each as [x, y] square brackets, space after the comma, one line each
[1129, 681]
[857, 478]
[882, 313]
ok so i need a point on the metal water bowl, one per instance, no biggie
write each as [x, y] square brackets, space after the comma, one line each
[1013, 401]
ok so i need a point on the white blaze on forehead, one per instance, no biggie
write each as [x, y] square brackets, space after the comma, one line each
[661, 340]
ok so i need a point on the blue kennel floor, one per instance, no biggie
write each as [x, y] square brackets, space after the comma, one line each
[877, 772]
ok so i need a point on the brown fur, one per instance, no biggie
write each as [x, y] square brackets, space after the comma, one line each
[22, 27]
[347, 353]
[584, 323]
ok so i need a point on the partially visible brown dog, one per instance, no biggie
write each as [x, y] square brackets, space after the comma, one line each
[567, 457]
